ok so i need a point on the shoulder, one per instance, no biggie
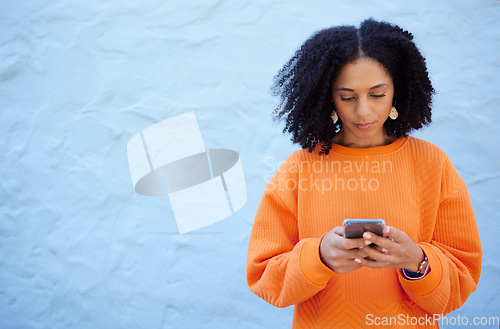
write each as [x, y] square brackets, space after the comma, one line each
[423, 150]
[417, 143]
[299, 157]
[431, 162]
[305, 155]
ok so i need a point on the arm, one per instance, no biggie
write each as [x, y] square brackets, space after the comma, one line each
[281, 269]
[454, 255]
[453, 250]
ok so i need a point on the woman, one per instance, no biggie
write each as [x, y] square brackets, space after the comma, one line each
[350, 97]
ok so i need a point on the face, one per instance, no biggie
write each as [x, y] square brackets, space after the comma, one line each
[363, 94]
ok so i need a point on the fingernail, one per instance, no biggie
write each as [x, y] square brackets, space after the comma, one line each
[357, 260]
[387, 230]
[385, 251]
[368, 242]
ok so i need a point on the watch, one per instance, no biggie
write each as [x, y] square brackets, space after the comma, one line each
[423, 265]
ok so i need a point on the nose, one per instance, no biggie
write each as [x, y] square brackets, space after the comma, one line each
[363, 108]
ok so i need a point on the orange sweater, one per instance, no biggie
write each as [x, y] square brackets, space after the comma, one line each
[414, 187]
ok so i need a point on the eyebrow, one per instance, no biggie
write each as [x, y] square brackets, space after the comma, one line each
[374, 87]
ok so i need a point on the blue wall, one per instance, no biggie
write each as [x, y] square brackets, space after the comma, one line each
[80, 249]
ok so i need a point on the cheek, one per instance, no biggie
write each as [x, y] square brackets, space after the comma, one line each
[384, 107]
[342, 108]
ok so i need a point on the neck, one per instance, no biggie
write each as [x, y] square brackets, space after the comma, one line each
[363, 143]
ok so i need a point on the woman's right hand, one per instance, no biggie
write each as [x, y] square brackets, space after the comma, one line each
[338, 253]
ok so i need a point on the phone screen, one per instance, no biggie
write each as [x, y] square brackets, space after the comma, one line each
[354, 228]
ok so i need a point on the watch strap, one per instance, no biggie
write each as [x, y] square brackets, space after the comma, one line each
[422, 266]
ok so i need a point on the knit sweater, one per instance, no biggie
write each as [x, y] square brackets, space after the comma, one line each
[413, 186]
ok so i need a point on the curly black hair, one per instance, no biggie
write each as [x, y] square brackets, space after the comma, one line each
[305, 82]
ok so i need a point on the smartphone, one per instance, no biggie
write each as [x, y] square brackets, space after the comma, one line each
[354, 228]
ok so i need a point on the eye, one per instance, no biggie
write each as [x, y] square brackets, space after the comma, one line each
[378, 96]
[346, 99]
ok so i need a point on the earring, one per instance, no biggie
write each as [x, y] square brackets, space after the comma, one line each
[335, 117]
[393, 114]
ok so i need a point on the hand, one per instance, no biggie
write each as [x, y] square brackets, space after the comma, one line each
[338, 253]
[394, 250]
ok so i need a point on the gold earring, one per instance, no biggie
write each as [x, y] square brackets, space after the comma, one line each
[394, 113]
[335, 117]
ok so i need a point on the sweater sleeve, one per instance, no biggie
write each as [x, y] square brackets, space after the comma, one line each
[281, 269]
[454, 252]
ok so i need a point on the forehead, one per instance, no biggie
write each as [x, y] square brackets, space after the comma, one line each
[362, 73]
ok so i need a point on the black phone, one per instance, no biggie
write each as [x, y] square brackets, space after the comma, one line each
[354, 228]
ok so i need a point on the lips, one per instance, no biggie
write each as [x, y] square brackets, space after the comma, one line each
[364, 126]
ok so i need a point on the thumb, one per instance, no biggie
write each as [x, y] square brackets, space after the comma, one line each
[339, 230]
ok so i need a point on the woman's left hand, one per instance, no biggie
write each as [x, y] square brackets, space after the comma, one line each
[394, 250]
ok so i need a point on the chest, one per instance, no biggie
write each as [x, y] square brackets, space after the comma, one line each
[359, 190]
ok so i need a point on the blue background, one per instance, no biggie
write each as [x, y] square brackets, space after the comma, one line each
[80, 249]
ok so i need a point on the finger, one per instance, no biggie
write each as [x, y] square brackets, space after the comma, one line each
[378, 240]
[394, 234]
[354, 253]
[377, 256]
[338, 240]
[379, 249]
[335, 241]
[353, 243]
[370, 263]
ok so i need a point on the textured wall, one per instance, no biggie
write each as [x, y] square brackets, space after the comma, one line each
[80, 249]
